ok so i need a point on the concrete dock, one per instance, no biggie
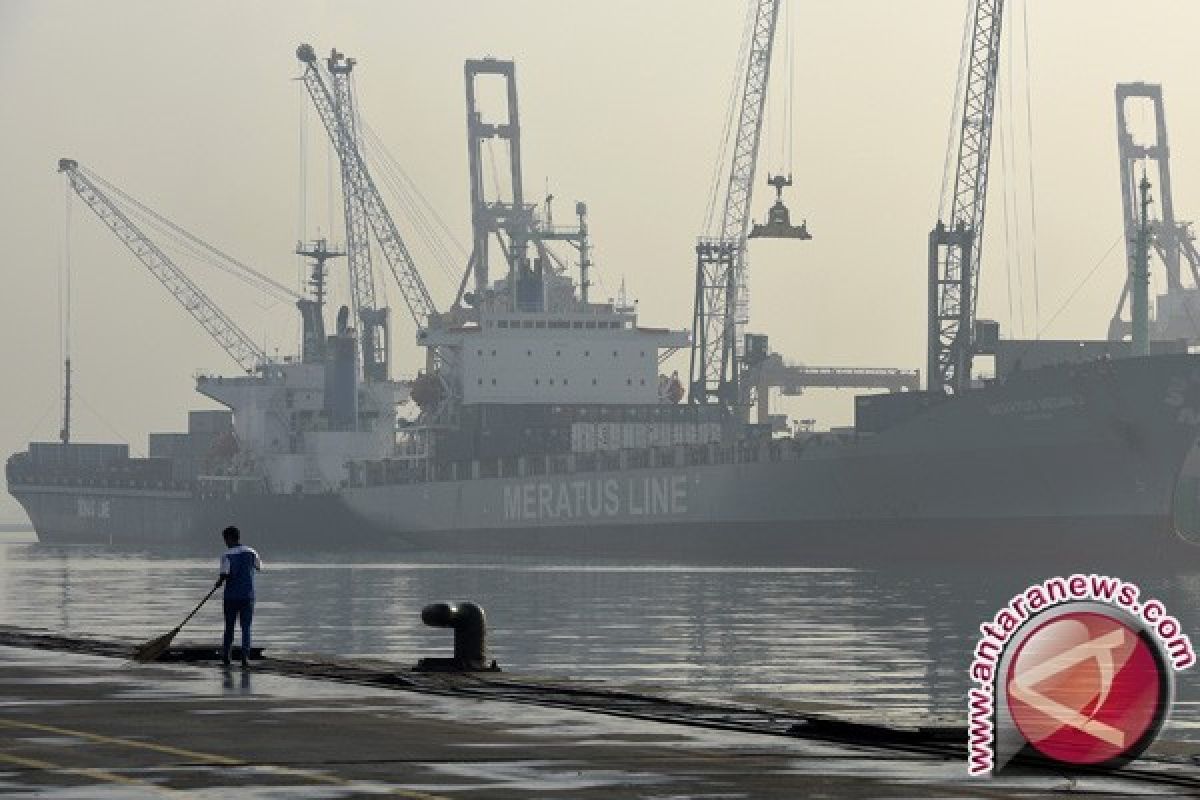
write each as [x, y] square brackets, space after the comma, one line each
[79, 720]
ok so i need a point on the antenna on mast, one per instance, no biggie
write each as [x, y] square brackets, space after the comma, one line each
[64, 433]
[1139, 278]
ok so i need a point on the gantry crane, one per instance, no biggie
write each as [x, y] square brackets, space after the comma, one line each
[373, 321]
[391, 244]
[513, 217]
[521, 237]
[1172, 240]
[232, 339]
[956, 242]
[719, 311]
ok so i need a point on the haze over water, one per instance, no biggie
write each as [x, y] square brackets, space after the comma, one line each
[887, 646]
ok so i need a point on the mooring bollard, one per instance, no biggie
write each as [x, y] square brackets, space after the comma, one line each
[470, 638]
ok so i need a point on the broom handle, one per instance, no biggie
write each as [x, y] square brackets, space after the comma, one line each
[211, 592]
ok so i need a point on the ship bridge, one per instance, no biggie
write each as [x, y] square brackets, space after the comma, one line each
[593, 354]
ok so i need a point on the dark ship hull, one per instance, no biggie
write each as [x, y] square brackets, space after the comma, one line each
[1088, 464]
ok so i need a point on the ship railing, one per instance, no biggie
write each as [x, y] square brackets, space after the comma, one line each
[399, 471]
[68, 480]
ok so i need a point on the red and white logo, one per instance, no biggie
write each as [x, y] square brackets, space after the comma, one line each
[1086, 688]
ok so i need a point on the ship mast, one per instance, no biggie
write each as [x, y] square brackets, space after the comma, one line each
[64, 433]
[1139, 278]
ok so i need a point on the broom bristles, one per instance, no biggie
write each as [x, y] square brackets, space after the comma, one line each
[153, 649]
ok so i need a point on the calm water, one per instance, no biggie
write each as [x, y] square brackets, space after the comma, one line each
[889, 645]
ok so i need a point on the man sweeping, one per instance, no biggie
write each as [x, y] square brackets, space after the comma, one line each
[238, 566]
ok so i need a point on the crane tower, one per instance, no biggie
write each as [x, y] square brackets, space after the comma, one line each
[719, 313]
[956, 242]
[1172, 240]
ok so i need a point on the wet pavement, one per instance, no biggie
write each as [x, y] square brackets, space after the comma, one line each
[891, 646]
[87, 726]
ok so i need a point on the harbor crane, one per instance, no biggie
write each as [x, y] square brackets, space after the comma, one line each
[355, 174]
[956, 242]
[1172, 240]
[488, 219]
[506, 216]
[373, 321]
[721, 292]
[232, 339]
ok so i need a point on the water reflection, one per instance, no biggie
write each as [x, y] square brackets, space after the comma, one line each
[236, 681]
[892, 644]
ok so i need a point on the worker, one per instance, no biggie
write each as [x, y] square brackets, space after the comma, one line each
[238, 566]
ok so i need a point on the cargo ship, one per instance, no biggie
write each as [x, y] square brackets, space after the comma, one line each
[1056, 459]
[1052, 460]
[544, 423]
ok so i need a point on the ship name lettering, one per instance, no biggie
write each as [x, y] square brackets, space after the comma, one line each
[543, 500]
[512, 502]
[1032, 405]
[612, 501]
[91, 508]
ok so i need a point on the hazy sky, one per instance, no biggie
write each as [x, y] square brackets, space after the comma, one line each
[192, 108]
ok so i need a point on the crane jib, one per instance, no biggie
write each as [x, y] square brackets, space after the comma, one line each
[395, 252]
[956, 242]
[721, 297]
[232, 339]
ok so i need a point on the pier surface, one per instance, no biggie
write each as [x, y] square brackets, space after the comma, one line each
[79, 720]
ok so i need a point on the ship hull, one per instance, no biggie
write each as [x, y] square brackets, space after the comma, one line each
[1080, 542]
[1086, 464]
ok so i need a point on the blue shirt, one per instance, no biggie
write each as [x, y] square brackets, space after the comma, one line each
[238, 565]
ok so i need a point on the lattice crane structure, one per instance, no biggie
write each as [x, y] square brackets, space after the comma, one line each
[373, 320]
[232, 339]
[956, 242]
[721, 301]
[355, 173]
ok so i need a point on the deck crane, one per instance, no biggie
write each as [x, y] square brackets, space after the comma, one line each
[395, 251]
[232, 339]
[956, 242]
[721, 258]
[373, 330]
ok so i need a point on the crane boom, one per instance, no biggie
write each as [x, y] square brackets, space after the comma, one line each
[232, 339]
[956, 242]
[721, 259]
[735, 220]
[373, 320]
[358, 250]
[395, 251]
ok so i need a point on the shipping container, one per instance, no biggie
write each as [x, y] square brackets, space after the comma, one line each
[48, 454]
[210, 422]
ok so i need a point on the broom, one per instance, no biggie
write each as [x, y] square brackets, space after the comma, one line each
[153, 649]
